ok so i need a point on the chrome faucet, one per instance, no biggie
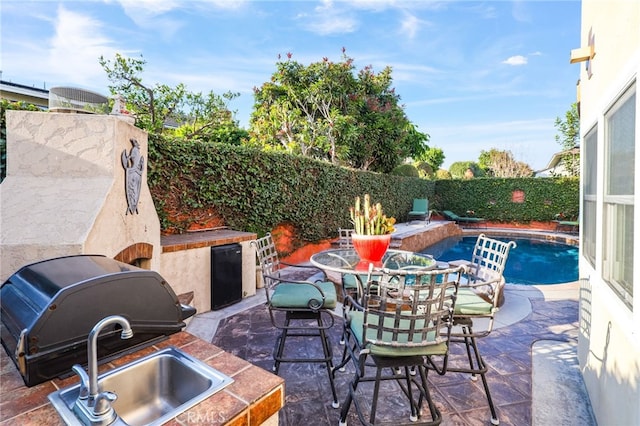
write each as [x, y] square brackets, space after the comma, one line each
[94, 406]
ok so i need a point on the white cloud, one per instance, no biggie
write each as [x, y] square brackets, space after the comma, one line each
[154, 15]
[375, 5]
[406, 72]
[521, 11]
[327, 20]
[75, 47]
[482, 10]
[333, 25]
[148, 14]
[147, 7]
[227, 4]
[143, 10]
[410, 25]
[516, 60]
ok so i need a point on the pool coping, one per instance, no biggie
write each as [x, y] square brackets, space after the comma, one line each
[416, 235]
[545, 235]
[410, 235]
[563, 290]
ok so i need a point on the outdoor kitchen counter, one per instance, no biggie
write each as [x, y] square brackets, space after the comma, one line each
[253, 398]
[199, 239]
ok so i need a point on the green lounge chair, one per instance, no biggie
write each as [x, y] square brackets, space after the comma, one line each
[420, 210]
[448, 214]
[571, 225]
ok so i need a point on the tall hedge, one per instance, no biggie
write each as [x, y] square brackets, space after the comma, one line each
[510, 199]
[256, 191]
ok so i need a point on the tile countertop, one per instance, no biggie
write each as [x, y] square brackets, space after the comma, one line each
[204, 238]
[253, 397]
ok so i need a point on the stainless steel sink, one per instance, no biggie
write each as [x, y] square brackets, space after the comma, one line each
[151, 390]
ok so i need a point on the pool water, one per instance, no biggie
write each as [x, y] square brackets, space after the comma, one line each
[531, 262]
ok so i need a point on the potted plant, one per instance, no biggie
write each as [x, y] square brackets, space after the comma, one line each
[372, 230]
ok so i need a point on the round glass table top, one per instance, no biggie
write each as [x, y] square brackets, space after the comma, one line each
[347, 260]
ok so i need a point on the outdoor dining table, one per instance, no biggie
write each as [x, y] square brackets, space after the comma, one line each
[347, 261]
[344, 262]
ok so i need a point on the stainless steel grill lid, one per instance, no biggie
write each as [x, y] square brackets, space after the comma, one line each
[48, 308]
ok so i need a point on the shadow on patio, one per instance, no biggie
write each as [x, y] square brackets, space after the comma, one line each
[529, 315]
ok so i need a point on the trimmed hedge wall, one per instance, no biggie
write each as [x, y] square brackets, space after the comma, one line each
[257, 191]
[510, 200]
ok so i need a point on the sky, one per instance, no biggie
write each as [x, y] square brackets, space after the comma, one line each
[473, 75]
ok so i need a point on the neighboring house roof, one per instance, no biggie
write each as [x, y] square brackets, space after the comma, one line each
[15, 92]
[556, 166]
[20, 92]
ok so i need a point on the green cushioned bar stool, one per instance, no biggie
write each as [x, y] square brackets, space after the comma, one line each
[297, 308]
[479, 298]
[398, 330]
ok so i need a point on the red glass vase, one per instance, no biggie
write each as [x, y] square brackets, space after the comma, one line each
[371, 248]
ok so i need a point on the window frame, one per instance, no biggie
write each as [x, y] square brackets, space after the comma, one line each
[588, 216]
[617, 216]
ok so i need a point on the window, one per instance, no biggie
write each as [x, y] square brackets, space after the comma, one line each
[589, 182]
[617, 262]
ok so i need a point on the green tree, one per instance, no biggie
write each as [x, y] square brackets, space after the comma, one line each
[325, 111]
[569, 139]
[425, 169]
[465, 169]
[209, 119]
[384, 135]
[193, 115]
[406, 170]
[432, 156]
[302, 109]
[443, 174]
[501, 164]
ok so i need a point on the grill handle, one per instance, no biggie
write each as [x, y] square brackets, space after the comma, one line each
[187, 311]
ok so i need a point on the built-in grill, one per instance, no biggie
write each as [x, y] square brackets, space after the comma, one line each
[48, 308]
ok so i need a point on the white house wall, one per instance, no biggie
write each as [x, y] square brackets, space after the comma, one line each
[609, 340]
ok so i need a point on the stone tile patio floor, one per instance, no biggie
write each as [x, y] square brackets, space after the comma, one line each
[529, 315]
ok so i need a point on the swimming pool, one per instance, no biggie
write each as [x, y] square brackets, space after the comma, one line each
[531, 262]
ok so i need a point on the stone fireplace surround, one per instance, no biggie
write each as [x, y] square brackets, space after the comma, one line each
[64, 194]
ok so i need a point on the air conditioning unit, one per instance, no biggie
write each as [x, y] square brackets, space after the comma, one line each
[71, 99]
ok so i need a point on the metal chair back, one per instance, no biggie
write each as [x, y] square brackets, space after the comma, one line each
[268, 259]
[404, 326]
[486, 269]
[344, 238]
[410, 309]
[489, 256]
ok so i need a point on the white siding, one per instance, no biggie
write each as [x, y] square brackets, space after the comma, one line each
[609, 340]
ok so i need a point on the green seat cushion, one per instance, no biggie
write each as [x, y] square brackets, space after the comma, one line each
[469, 303]
[568, 223]
[451, 215]
[357, 327]
[350, 282]
[298, 295]
[471, 219]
